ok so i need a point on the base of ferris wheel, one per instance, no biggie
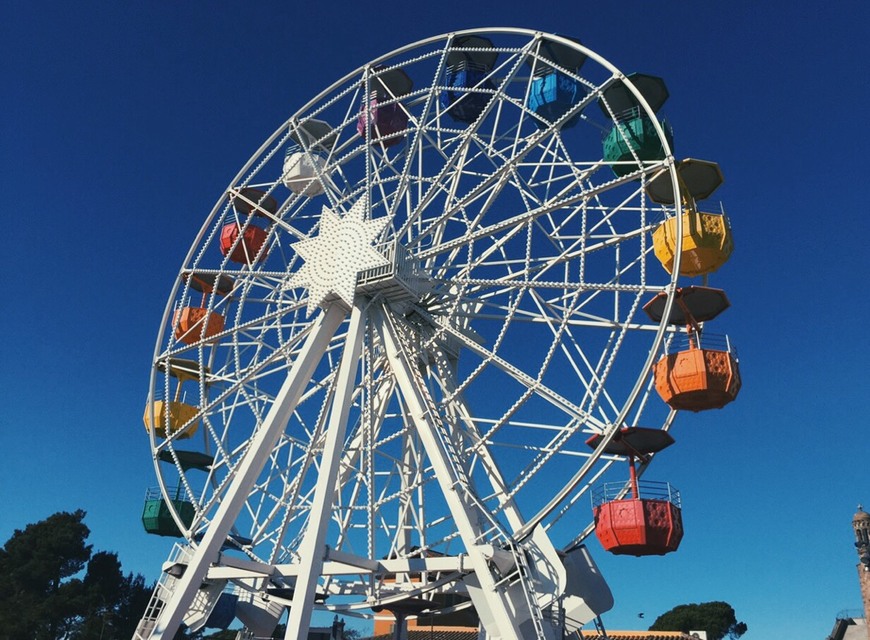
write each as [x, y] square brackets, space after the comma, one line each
[523, 591]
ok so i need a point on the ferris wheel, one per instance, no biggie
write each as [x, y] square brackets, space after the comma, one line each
[397, 332]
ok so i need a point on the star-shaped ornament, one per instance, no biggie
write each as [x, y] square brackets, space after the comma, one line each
[335, 257]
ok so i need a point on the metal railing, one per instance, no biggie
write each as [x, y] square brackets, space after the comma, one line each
[154, 493]
[400, 264]
[399, 277]
[848, 614]
[710, 207]
[647, 490]
[703, 340]
[630, 114]
[180, 554]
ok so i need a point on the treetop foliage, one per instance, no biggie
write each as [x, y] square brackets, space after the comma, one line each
[48, 552]
[55, 587]
[716, 618]
[44, 595]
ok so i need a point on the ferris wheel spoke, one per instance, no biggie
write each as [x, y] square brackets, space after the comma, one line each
[276, 219]
[350, 470]
[293, 485]
[499, 177]
[460, 416]
[421, 139]
[531, 384]
[448, 467]
[458, 153]
[532, 274]
[518, 219]
[589, 374]
[244, 382]
[567, 308]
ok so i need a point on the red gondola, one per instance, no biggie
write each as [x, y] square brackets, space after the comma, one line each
[248, 248]
[638, 518]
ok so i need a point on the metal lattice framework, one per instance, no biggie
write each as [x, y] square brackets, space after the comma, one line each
[438, 314]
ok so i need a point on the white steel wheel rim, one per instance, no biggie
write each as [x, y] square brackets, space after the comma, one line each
[530, 263]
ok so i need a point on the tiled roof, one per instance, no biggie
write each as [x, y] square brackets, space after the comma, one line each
[635, 635]
[427, 634]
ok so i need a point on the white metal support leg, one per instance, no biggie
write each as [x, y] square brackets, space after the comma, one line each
[489, 599]
[312, 550]
[249, 468]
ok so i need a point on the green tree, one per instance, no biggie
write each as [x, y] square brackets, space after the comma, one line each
[42, 597]
[346, 632]
[135, 597]
[114, 601]
[39, 597]
[716, 618]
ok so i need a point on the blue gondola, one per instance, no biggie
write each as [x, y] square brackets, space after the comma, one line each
[554, 92]
[469, 63]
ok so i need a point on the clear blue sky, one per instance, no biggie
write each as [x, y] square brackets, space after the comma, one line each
[122, 122]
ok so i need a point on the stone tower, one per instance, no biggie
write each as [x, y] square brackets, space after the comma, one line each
[861, 525]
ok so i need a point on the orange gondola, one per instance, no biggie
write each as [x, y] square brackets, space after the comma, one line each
[696, 376]
[193, 324]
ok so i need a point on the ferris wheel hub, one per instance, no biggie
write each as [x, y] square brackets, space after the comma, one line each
[335, 257]
[399, 281]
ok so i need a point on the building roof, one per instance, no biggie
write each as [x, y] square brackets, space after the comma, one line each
[634, 635]
[432, 634]
[849, 629]
[444, 634]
